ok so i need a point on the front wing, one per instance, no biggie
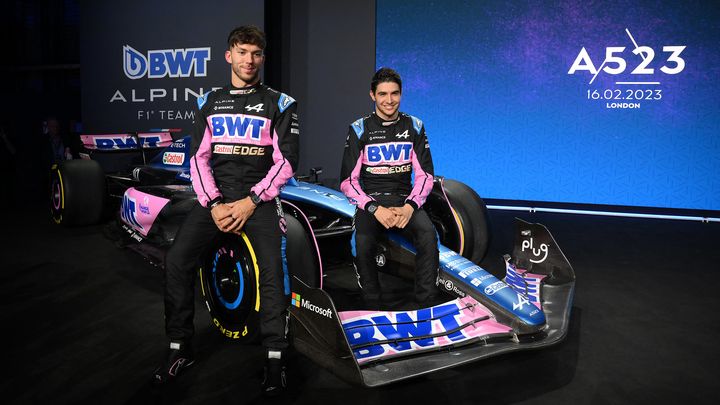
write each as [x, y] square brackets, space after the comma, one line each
[374, 348]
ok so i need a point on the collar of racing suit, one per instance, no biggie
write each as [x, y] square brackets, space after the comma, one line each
[236, 91]
[383, 122]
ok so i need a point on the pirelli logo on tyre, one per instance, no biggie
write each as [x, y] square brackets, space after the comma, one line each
[173, 158]
[232, 334]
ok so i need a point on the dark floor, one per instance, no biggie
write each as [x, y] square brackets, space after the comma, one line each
[83, 322]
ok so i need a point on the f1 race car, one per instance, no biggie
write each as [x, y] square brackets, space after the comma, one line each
[148, 175]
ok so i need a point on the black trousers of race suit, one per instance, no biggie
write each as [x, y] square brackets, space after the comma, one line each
[181, 263]
[420, 231]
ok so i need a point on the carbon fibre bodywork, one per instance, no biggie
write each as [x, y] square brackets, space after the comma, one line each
[528, 308]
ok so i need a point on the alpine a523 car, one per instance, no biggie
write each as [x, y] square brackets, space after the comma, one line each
[147, 175]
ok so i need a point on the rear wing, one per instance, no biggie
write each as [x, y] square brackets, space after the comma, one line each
[127, 141]
[119, 152]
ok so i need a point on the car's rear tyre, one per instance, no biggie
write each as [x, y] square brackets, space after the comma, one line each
[463, 225]
[77, 192]
[229, 278]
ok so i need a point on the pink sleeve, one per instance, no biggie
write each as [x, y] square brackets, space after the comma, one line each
[423, 184]
[201, 174]
[280, 172]
[351, 186]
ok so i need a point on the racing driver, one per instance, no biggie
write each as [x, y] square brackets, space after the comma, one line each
[382, 150]
[244, 149]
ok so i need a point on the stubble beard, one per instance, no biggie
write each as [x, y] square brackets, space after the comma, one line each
[247, 80]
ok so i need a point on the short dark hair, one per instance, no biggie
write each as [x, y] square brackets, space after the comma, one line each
[246, 34]
[385, 75]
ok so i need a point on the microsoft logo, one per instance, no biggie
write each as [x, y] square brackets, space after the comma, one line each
[296, 299]
[301, 303]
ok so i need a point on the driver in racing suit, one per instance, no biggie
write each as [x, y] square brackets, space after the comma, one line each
[244, 149]
[381, 151]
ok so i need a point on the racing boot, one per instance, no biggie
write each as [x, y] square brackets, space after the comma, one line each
[179, 357]
[275, 379]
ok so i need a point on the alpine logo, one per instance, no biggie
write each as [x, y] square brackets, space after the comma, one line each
[403, 135]
[256, 107]
[522, 301]
[183, 62]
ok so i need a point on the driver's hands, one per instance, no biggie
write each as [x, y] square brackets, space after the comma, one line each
[402, 214]
[386, 217]
[240, 212]
[221, 215]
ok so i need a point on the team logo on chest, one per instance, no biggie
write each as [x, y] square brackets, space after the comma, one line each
[390, 152]
[238, 126]
[256, 107]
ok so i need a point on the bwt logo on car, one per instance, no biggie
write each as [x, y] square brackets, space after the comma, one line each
[389, 152]
[183, 62]
[124, 142]
[401, 328]
[127, 213]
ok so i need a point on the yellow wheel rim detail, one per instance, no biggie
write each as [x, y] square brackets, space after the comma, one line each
[257, 270]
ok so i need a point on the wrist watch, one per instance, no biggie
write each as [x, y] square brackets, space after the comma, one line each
[372, 208]
[255, 198]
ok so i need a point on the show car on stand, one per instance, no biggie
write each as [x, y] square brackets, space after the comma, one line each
[145, 179]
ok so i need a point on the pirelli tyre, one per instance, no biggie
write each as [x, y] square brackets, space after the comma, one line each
[460, 217]
[229, 280]
[77, 192]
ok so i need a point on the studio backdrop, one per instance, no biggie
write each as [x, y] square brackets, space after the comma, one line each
[144, 63]
[607, 102]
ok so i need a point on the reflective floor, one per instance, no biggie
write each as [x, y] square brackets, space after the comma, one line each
[83, 322]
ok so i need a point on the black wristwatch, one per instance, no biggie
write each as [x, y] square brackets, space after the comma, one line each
[214, 203]
[255, 198]
[372, 207]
